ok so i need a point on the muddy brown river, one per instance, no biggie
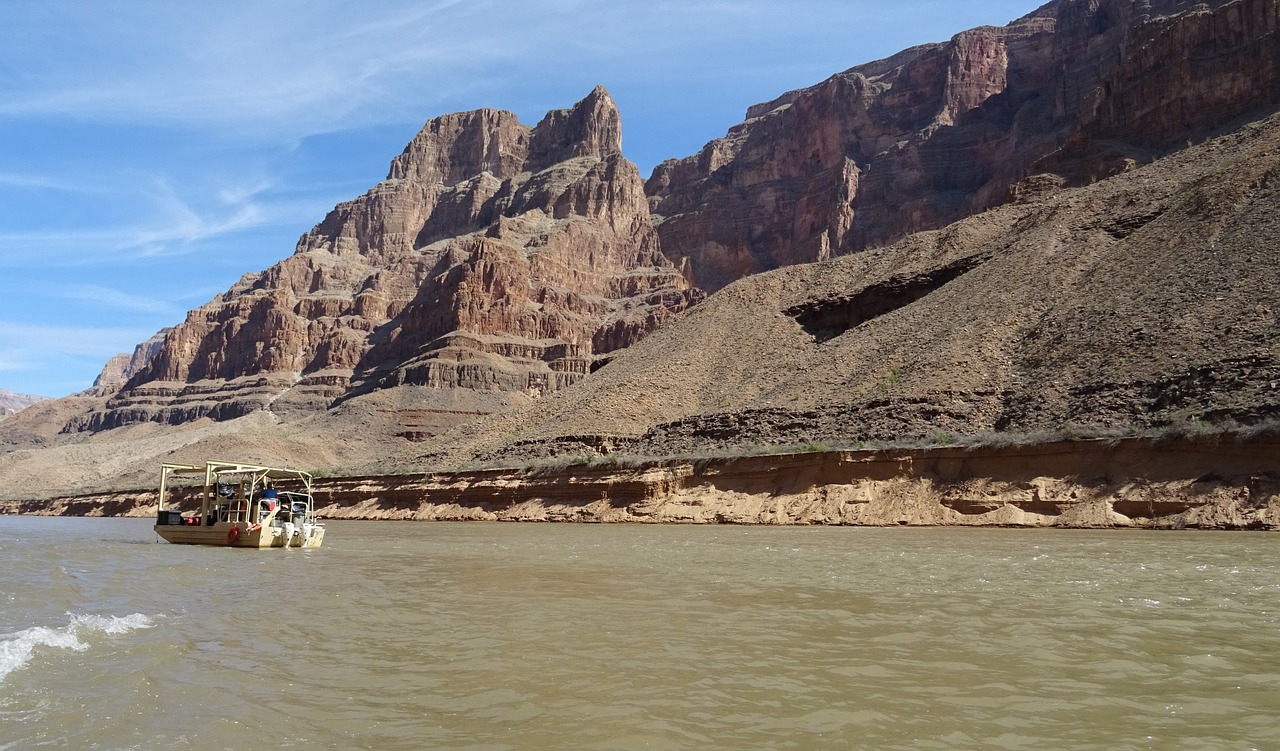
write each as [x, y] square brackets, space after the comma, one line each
[487, 636]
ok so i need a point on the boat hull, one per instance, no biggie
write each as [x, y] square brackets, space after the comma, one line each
[246, 536]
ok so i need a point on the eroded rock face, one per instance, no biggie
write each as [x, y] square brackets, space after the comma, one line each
[498, 258]
[1090, 484]
[494, 257]
[1142, 304]
[11, 403]
[122, 367]
[1076, 91]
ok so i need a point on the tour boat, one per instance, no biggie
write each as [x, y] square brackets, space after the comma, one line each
[241, 506]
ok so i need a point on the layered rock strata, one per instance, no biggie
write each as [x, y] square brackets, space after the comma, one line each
[496, 258]
[1074, 92]
[122, 367]
[1143, 304]
[1134, 483]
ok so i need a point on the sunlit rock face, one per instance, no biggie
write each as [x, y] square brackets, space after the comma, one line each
[497, 261]
[1073, 92]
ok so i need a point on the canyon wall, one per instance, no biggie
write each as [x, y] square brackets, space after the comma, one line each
[499, 262]
[1073, 92]
[1139, 305]
[496, 262]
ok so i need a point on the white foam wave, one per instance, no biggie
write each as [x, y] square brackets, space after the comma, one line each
[18, 649]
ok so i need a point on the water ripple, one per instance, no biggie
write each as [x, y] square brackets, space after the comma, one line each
[484, 636]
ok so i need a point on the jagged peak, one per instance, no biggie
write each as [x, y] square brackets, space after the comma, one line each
[592, 127]
[458, 146]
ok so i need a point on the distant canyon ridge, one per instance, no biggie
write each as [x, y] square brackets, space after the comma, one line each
[1044, 226]
[11, 403]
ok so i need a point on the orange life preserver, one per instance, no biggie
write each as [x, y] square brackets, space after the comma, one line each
[233, 534]
[254, 527]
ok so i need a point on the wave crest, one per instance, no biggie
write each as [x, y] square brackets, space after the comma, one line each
[18, 649]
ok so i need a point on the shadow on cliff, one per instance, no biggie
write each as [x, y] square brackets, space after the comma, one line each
[400, 339]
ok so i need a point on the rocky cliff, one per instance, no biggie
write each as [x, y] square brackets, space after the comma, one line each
[1074, 92]
[499, 262]
[495, 263]
[122, 367]
[1144, 303]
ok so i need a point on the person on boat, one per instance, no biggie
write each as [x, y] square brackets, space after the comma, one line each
[267, 503]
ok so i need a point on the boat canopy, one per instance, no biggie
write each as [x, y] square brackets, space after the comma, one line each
[232, 478]
[240, 505]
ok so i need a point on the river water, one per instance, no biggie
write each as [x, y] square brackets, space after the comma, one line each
[485, 636]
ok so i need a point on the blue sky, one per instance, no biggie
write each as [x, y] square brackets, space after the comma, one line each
[151, 152]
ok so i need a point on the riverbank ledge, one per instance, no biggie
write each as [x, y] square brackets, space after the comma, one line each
[1205, 483]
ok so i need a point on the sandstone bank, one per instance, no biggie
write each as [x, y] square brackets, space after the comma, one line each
[1206, 483]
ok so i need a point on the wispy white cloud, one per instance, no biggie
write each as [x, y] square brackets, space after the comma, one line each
[19, 340]
[184, 225]
[110, 298]
[284, 67]
[57, 360]
[165, 223]
[302, 67]
[46, 182]
[243, 193]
